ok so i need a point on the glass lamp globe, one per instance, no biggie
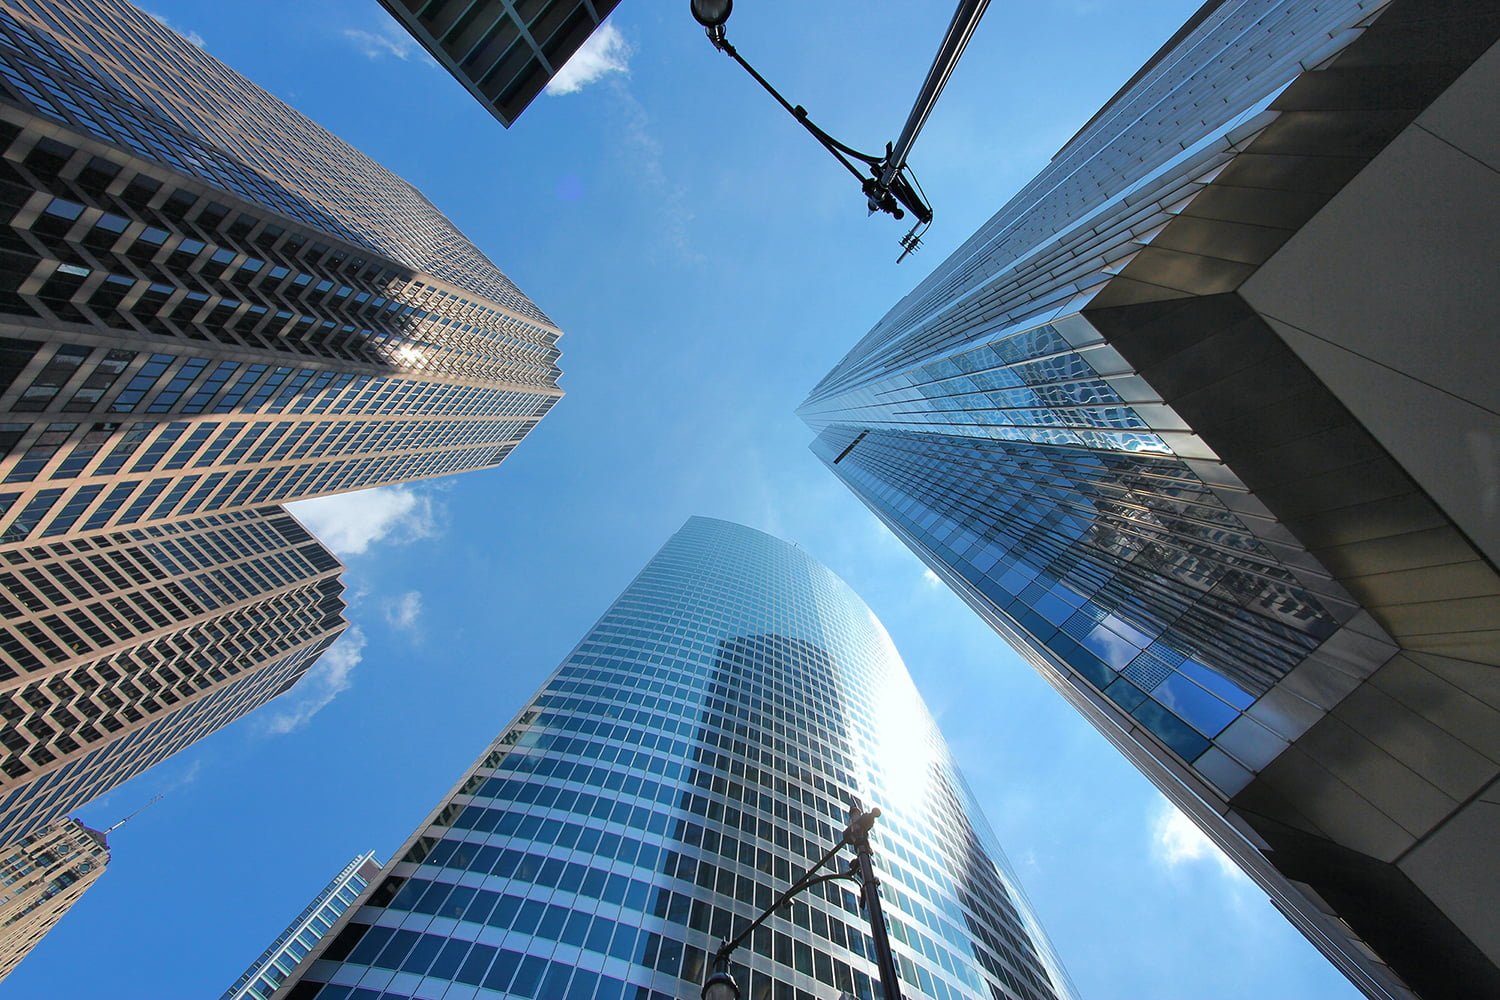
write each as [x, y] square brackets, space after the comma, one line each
[712, 14]
[720, 985]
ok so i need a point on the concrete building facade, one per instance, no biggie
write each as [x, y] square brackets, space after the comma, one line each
[118, 650]
[209, 306]
[41, 877]
[208, 302]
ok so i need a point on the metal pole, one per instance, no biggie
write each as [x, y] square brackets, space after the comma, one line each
[858, 837]
[965, 20]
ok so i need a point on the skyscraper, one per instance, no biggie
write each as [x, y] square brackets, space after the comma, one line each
[259, 982]
[117, 650]
[1203, 423]
[209, 305]
[504, 52]
[695, 752]
[41, 877]
[208, 302]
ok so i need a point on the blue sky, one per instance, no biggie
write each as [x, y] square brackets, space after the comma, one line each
[709, 264]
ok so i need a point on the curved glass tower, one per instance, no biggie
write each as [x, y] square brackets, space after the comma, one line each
[695, 752]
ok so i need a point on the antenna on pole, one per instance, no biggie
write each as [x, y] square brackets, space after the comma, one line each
[154, 800]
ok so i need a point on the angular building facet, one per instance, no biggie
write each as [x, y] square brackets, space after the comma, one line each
[209, 302]
[1203, 422]
[118, 650]
[504, 52]
[259, 982]
[41, 877]
[696, 751]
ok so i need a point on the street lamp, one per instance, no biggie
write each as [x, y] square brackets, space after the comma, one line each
[720, 985]
[712, 14]
[889, 186]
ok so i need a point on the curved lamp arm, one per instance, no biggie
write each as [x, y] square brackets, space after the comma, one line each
[809, 878]
[885, 186]
[888, 187]
[861, 871]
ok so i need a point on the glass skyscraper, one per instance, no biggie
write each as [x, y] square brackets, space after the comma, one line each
[1192, 422]
[504, 52]
[259, 982]
[693, 754]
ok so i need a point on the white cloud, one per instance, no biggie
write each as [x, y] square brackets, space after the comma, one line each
[605, 52]
[377, 45]
[404, 611]
[349, 523]
[1177, 841]
[190, 36]
[881, 538]
[644, 151]
[1114, 648]
[931, 579]
[329, 677]
[188, 776]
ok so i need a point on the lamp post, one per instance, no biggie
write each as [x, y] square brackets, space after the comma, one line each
[720, 985]
[889, 186]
